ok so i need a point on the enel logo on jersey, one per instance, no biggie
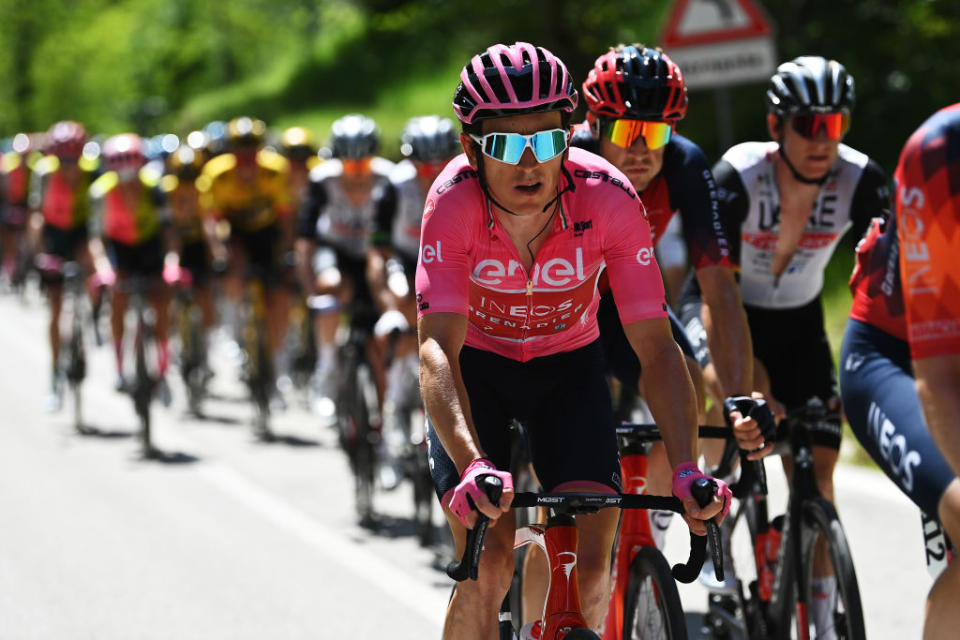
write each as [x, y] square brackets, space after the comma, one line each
[555, 272]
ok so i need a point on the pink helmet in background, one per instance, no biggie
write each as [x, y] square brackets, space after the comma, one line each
[506, 80]
[66, 138]
[124, 153]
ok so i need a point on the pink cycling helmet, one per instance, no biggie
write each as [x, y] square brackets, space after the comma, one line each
[124, 152]
[505, 80]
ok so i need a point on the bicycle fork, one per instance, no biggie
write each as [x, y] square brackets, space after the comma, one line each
[559, 540]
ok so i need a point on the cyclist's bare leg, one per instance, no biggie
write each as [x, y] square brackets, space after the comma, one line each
[204, 297]
[160, 303]
[596, 535]
[942, 615]
[55, 296]
[330, 283]
[278, 313]
[118, 307]
[472, 612]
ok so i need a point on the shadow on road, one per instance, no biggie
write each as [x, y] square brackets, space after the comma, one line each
[88, 431]
[290, 441]
[168, 457]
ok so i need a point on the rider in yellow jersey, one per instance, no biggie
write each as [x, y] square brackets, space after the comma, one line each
[191, 248]
[128, 218]
[248, 188]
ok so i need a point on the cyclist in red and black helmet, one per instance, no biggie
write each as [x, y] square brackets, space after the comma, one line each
[58, 193]
[636, 95]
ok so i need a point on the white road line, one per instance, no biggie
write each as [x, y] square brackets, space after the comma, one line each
[352, 556]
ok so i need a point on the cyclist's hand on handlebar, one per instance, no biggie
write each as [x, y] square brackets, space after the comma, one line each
[753, 424]
[684, 475]
[468, 497]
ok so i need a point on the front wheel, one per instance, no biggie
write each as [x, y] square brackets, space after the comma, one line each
[829, 615]
[652, 608]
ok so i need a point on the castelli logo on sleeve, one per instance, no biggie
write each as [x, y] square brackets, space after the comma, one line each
[428, 208]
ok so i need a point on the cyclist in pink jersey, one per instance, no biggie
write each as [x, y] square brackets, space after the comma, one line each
[515, 235]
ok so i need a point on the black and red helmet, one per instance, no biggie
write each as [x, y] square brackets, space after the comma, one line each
[638, 83]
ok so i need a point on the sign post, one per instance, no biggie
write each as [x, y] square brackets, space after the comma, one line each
[718, 44]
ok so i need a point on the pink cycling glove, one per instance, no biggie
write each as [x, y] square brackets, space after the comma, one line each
[684, 475]
[466, 494]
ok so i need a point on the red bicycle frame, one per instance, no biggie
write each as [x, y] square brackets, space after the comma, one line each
[561, 611]
[634, 534]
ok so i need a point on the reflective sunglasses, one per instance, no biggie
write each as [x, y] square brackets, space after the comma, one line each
[509, 147]
[809, 125]
[355, 168]
[624, 133]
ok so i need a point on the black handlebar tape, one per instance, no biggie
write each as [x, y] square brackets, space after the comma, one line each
[703, 491]
[468, 566]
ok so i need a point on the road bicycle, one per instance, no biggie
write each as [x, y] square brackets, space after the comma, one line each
[562, 614]
[73, 358]
[777, 600]
[194, 368]
[257, 362]
[358, 408]
[145, 381]
[645, 601]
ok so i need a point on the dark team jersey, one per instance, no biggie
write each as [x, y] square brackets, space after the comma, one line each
[875, 282]
[855, 192]
[685, 184]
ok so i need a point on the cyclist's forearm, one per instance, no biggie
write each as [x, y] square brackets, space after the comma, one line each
[728, 333]
[446, 402]
[669, 393]
[730, 344]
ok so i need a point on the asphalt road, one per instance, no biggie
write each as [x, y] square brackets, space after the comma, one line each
[227, 537]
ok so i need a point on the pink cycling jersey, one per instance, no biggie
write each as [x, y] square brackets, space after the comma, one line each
[468, 265]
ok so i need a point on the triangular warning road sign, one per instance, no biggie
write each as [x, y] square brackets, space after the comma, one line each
[696, 22]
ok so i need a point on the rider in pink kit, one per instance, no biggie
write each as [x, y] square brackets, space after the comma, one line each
[515, 234]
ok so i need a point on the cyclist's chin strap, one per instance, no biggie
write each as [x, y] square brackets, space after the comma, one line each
[797, 175]
[570, 186]
[485, 189]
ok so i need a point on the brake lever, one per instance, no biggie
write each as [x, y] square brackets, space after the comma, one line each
[703, 491]
[469, 565]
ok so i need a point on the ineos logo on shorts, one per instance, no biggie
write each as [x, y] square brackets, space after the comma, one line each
[556, 272]
[644, 256]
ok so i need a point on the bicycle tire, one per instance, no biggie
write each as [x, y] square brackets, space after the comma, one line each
[820, 520]
[77, 370]
[582, 634]
[423, 497]
[143, 387]
[650, 577]
[365, 445]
